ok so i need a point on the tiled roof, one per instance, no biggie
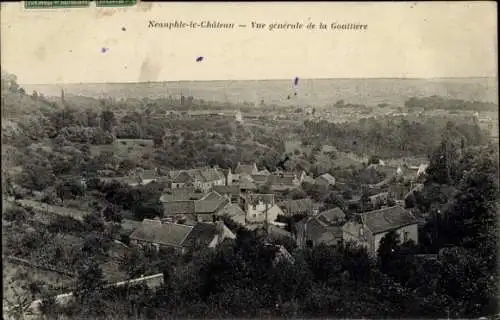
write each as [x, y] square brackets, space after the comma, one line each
[282, 187]
[388, 218]
[259, 178]
[317, 230]
[232, 190]
[179, 207]
[299, 206]
[247, 185]
[285, 179]
[154, 231]
[208, 206]
[332, 217]
[212, 196]
[231, 210]
[183, 177]
[202, 233]
[211, 174]
[181, 194]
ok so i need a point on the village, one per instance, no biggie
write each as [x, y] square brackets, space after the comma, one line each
[197, 204]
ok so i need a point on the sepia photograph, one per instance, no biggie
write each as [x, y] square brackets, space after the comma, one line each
[238, 160]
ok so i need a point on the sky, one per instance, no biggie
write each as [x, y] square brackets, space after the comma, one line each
[403, 39]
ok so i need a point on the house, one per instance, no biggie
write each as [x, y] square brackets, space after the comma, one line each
[198, 207]
[298, 207]
[136, 177]
[246, 184]
[232, 192]
[157, 234]
[379, 199]
[369, 228]
[325, 227]
[260, 208]
[280, 182]
[325, 179]
[201, 178]
[182, 194]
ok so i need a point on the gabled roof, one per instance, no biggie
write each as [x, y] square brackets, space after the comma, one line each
[179, 207]
[388, 219]
[317, 230]
[202, 233]
[332, 217]
[209, 206]
[153, 231]
[286, 179]
[299, 206]
[232, 190]
[231, 210]
[183, 177]
[211, 174]
[181, 194]
[260, 178]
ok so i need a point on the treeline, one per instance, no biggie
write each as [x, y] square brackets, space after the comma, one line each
[437, 102]
[390, 137]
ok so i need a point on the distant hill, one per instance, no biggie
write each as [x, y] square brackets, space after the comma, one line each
[319, 92]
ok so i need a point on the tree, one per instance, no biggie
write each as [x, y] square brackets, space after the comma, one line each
[94, 221]
[69, 189]
[37, 175]
[112, 213]
[386, 250]
[89, 285]
[108, 120]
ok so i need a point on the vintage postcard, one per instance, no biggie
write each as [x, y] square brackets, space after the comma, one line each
[249, 160]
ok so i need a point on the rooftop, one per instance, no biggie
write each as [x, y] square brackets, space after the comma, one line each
[154, 231]
[388, 219]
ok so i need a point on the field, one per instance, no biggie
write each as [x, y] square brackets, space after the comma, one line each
[313, 92]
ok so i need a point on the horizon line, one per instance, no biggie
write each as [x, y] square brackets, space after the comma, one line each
[268, 79]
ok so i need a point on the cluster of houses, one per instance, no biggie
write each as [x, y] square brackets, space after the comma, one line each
[196, 201]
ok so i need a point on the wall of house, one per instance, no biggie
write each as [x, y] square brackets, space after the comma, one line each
[229, 178]
[351, 232]
[178, 185]
[257, 213]
[412, 232]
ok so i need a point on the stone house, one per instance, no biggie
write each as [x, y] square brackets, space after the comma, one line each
[157, 235]
[325, 227]
[368, 228]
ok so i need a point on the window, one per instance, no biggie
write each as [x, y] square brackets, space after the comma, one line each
[361, 232]
[405, 236]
